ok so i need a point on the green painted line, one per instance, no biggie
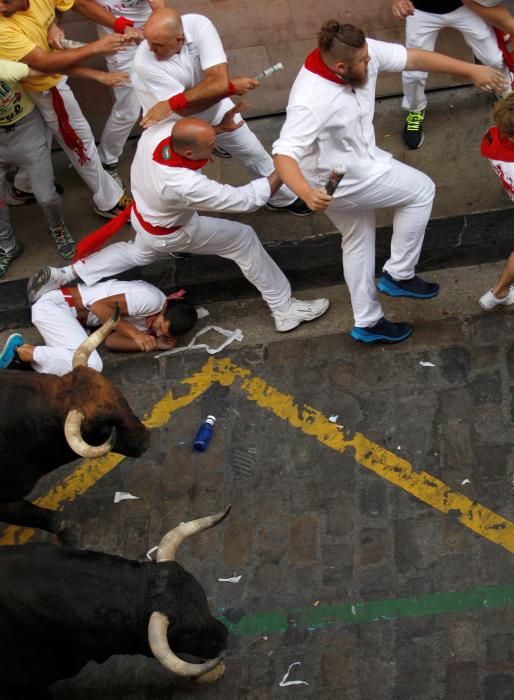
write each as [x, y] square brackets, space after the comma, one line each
[320, 617]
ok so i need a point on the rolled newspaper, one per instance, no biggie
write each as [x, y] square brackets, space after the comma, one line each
[71, 44]
[269, 71]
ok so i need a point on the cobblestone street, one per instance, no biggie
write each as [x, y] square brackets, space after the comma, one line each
[372, 522]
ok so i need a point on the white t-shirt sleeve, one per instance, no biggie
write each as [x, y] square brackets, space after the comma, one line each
[389, 57]
[199, 192]
[13, 71]
[299, 132]
[156, 80]
[143, 299]
[208, 42]
[489, 3]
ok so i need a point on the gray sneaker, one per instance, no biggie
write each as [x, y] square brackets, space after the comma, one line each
[64, 241]
[7, 256]
[46, 279]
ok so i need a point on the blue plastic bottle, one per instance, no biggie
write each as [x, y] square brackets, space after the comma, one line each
[204, 434]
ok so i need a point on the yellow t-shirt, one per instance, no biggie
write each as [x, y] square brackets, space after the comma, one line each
[14, 102]
[24, 31]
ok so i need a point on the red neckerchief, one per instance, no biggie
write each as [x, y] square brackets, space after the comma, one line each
[165, 155]
[150, 319]
[495, 147]
[317, 65]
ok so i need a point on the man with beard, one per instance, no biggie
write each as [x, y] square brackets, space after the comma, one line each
[329, 124]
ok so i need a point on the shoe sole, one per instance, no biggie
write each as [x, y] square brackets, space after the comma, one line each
[11, 354]
[415, 148]
[357, 334]
[105, 214]
[385, 288]
[36, 282]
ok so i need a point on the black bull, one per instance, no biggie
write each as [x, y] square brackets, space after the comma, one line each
[62, 607]
[46, 421]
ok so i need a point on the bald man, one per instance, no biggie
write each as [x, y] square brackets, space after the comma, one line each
[168, 189]
[182, 65]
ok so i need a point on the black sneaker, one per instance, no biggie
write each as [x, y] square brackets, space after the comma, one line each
[221, 152]
[297, 208]
[413, 130]
[414, 287]
[15, 197]
[117, 209]
[383, 331]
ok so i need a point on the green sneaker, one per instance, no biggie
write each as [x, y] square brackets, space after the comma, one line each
[64, 241]
[7, 256]
[413, 131]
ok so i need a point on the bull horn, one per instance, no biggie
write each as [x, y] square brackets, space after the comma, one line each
[84, 350]
[72, 431]
[158, 640]
[171, 542]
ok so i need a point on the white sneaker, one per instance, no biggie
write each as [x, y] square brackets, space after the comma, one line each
[489, 301]
[45, 280]
[298, 312]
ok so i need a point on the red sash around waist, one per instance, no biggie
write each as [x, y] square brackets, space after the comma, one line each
[153, 230]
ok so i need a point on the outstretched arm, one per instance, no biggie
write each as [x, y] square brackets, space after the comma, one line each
[486, 78]
[54, 61]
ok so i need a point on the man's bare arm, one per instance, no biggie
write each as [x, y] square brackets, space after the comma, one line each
[498, 16]
[54, 61]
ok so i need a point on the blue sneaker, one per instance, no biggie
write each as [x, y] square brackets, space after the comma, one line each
[382, 332]
[9, 351]
[415, 287]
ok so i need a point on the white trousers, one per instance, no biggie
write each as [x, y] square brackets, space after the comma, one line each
[106, 192]
[245, 147]
[57, 323]
[411, 193]
[203, 235]
[421, 30]
[125, 110]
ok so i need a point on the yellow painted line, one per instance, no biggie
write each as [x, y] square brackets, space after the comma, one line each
[397, 471]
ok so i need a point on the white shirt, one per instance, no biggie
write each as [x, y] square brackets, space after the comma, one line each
[329, 125]
[156, 80]
[142, 299]
[169, 196]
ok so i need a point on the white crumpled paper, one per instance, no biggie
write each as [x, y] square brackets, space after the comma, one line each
[229, 336]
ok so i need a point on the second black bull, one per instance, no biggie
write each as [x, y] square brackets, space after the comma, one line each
[46, 421]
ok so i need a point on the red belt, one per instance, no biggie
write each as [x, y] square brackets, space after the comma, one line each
[67, 296]
[154, 230]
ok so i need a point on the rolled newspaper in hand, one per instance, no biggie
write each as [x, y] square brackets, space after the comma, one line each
[334, 179]
[269, 71]
[71, 44]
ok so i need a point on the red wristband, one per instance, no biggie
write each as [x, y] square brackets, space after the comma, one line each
[231, 89]
[120, 23]
[177, 102]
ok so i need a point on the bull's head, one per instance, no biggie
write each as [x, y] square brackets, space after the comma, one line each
[97, 407]
[201, 634]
